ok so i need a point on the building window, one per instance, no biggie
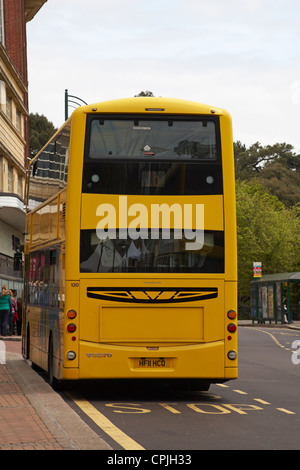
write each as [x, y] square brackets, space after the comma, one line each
[8, 107]
[18, 120]
[1, 23]
[20, 185]
[2, 94]
[2, 169]
[10, 176]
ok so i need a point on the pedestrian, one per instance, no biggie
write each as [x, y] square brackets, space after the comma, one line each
[19, 320]
[10, 331]
[14, 310]
[5, 309]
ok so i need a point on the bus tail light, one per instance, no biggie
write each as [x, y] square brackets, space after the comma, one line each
[231, 355]
[231, 314]
[71, 314]
[71, 355]
[231, 327]
[71, 327]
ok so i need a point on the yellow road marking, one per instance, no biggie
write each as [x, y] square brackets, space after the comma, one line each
[240, 392]
[104, 423]
[170, 408]
[286, 411]
[262, 401]
[273, 337]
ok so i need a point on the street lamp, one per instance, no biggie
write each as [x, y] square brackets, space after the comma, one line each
[67, 101]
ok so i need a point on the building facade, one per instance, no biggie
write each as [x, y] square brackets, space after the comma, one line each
[14, 133]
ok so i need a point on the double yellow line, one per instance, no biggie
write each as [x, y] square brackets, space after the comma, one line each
[274, 338]
[104, 423]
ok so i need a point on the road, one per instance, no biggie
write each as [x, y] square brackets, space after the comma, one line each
[259, 410]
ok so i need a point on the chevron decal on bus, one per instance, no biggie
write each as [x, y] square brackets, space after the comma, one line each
[152, 295]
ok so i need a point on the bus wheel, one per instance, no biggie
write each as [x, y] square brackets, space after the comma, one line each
[28, 355]
[53, 382]
[190, 385]
[28, 343]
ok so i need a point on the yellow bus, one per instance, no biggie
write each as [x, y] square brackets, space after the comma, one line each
[130, 245]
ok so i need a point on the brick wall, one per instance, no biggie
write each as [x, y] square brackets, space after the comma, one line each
[15, 35]
[16, 48]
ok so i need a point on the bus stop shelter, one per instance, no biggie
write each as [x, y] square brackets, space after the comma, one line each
[267, 298]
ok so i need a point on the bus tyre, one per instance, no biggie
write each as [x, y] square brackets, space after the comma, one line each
[53, 382]
[28, 355]
[186, 385]
[28, 344]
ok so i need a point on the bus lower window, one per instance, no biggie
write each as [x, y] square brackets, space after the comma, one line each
[150, 255]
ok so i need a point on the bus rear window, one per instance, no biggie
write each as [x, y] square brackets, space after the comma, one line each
[169, 156]
[155, 139]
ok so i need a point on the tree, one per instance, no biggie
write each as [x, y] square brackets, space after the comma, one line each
[246, 160]
[145, 93]
[253, 160]
[276, 166]
[267, 231]
[40, 131]
[281, 181]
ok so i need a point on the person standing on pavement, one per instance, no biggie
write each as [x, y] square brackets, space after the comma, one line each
[14, 313]
[19, 319]
[5, 309]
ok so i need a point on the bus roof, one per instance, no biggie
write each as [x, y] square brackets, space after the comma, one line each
[151, 104]
[140, 105]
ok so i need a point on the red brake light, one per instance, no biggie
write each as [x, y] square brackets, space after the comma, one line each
[71, 327]
[231, 327]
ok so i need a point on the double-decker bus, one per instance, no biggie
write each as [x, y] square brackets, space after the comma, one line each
[130, 245]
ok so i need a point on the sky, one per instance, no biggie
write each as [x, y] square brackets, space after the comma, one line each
[240, 55]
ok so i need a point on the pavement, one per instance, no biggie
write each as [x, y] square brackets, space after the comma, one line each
[32, 415]
[35, 417]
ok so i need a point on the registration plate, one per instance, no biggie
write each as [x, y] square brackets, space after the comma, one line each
[152, 362]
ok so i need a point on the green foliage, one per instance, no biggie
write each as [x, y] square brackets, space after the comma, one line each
[145, 93]
[40, 131]
[267, 231]
[276, 166]
[282, 181]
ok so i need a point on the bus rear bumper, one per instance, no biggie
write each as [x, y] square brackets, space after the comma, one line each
[231, 373]
[104, 361]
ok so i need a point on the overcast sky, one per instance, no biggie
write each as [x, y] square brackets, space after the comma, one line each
[241, 55]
